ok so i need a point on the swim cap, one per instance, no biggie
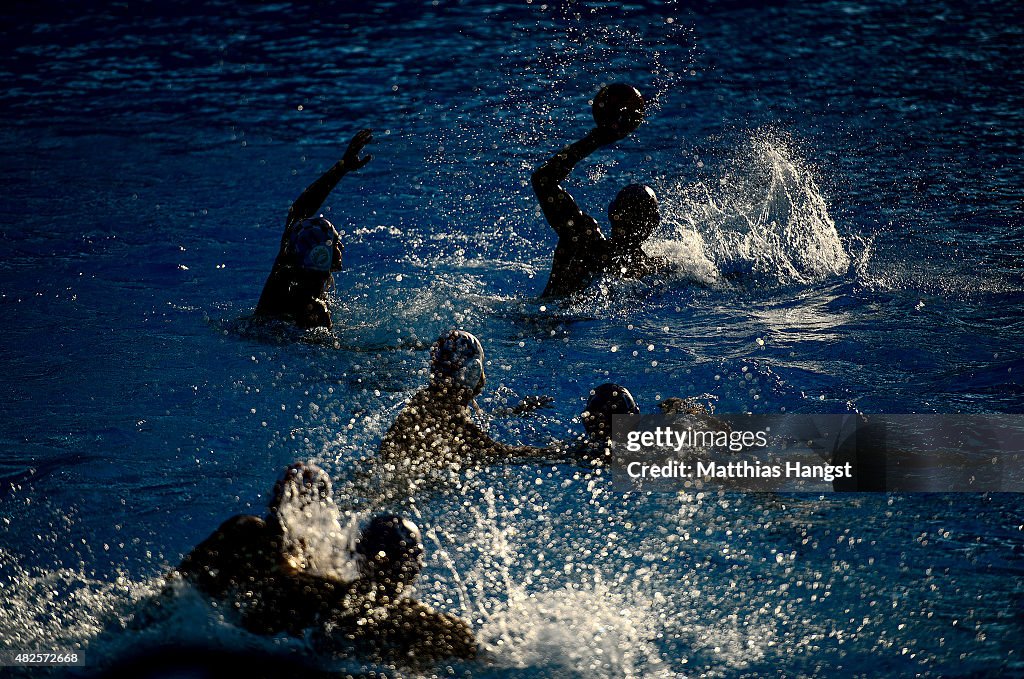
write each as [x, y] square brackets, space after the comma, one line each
[634, 213]
[392, 548]
[311, 244]
[605, 401]
[460, 357]
[302, 484]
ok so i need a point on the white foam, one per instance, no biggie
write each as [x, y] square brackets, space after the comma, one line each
[765, 221]
[587, 631]
[68, 609]
[323, 537]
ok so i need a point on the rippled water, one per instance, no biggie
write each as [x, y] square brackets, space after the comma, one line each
[842, 210]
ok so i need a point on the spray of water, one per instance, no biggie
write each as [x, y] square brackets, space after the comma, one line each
[583, 631]
[60, 608]
[323, 538]
[764, 222]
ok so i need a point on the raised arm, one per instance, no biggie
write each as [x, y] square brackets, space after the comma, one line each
[560, 209]
[308, 204]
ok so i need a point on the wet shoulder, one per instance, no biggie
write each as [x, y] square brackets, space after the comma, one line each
[241, 526]
[578, 259]
[417, 413]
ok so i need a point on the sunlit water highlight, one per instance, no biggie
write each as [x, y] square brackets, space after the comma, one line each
[841, 209]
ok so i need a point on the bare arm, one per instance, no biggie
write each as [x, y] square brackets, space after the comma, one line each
[407, 631]
[525, 407]
[279, 292]
[308, 204]
[692, 407]
[560, 209]
[425, 635]
[477, 444]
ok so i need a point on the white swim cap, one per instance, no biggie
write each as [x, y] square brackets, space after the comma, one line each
[311, 244]
[458, 356]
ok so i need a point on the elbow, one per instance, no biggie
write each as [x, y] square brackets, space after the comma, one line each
[538, 180]
[545, 185]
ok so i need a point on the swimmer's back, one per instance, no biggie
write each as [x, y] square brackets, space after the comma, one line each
[581, 255]
[236, 553]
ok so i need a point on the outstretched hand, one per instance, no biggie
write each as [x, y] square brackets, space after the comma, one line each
[351, 159]
[532, 403]
[682, 406]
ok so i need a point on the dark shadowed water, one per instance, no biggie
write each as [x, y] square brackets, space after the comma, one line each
[842, 206]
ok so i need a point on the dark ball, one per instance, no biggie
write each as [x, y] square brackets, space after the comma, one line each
[618, 107]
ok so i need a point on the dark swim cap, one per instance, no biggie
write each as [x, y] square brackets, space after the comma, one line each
[634, 213]
[605, 401]
[392, 549]
[458, 356]
[303, 484]
[311, 244]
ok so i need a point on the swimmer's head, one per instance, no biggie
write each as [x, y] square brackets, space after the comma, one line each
[605, 401]
[457, 361]
[634, 215]
[392, 551]
[302, 484]
[314, 245]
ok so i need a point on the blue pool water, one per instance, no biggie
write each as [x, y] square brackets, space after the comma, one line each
[842, 207]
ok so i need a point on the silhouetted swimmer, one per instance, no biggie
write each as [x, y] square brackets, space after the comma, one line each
[249, 561]
[435, 428]
[310, 250]
[605, 402]
[250, 564]
[377, 619]
[583, 253]
[610, 399]
[392, 551]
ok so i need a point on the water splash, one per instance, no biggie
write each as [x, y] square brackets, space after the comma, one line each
[582, 631]
[591, 628]
[765, 222]
[108, 620]
[324, 537]
[60, 608]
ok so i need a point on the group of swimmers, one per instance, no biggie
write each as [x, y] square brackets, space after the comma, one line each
[254, 565]
[260, 568]
[311, 248]
[251, 562]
